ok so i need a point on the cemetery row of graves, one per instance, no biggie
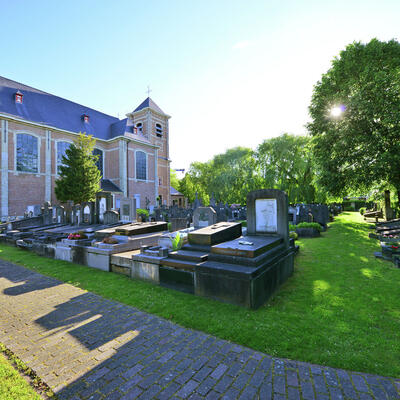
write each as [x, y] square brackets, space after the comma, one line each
[238, 265]
[235, 254]
[338, 308]
[211, 251]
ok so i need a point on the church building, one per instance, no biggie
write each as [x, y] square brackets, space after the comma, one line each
[37, 128]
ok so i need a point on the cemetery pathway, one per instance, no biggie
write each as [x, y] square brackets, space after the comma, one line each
[86, 347]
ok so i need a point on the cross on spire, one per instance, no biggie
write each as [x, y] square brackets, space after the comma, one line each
[148, 91]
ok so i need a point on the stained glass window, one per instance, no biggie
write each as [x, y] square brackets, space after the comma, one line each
[27, 153]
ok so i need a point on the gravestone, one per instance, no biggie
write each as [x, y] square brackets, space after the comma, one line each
[267, 213]
[60, 214]
[221, 214]
[111, 217]
[248, 270]
[128, 209]
[78, 215]
[178, 224]
[103, 203]
[88, 212]
[197, 202]
[36, 210]
[47, 213]
[204, 216]
[292, 215]
[212, 201]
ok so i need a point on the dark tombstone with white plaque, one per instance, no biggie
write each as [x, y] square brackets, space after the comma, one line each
[249, 269]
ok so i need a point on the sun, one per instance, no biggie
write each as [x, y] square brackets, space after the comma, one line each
[337, 111]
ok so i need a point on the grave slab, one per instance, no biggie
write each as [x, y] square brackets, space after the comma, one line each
[247, 246]
[139, 228]
[217, 233]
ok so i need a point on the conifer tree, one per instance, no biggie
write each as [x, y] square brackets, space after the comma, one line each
[79, 179]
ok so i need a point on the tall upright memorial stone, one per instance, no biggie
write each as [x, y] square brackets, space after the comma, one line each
[128, 209]
[267, 213]
[249, 269]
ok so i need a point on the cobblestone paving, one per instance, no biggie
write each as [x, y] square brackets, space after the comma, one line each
[87, 347]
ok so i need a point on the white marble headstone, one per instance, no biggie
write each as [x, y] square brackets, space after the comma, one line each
[266, 216]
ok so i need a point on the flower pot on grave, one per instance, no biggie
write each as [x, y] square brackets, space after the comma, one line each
[390, 251]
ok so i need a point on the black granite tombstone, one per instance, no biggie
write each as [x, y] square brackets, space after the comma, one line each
[248, 270]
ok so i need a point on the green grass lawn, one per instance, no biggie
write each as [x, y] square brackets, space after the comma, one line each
[12, 385]
[341, 307]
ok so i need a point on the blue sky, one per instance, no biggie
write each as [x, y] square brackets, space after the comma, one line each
[230, 73]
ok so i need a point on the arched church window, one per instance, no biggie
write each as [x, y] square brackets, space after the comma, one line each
[139, 128]
[99, 162]
[61, 149]
[27, 153]
[141, 165]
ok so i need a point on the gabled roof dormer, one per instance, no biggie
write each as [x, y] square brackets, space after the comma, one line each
[18, 96]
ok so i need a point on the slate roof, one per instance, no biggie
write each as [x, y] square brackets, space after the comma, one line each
[149, 103]
[174, 192]
[108, 186]
[45, 108]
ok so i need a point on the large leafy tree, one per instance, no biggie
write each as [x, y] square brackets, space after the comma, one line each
[357, 145]
[79, 176]
[286, 163]
[229, 176]
[234, 174]
[196, 181]
[174, 180]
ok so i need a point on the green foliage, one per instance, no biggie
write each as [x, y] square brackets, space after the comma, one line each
[361, 147]
[354, 205]
[174, 181]
[143, 212]
[315, 225]
[286, 163]
[244, 223]
[79, 179]
[169, 226]
[176, 241]
[12, 384]
[362, 210]
[230, 176]
[292, 227]
[293, 235]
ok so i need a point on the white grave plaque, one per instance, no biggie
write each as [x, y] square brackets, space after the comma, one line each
[266, 216]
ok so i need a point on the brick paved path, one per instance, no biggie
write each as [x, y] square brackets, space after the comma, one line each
[86, 347]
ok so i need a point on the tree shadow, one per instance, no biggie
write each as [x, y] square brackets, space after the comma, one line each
[30, 281]
[83, 317]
